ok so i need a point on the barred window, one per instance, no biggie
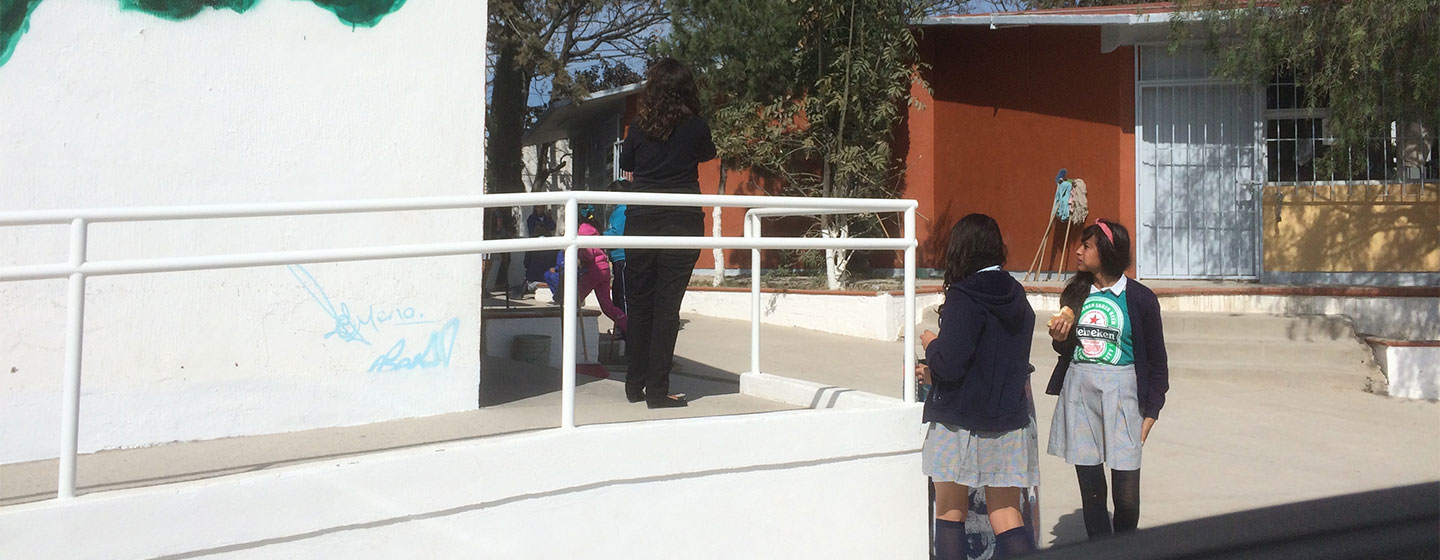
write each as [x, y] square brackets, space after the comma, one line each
[1296, 137]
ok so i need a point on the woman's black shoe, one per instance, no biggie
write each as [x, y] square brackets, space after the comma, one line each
[671, 401]
[634, 398]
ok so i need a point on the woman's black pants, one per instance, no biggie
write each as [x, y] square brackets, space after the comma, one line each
[655, 282]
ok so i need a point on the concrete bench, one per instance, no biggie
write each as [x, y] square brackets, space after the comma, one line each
[500, 326]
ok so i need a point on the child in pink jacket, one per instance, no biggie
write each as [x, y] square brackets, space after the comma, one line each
[595, 277]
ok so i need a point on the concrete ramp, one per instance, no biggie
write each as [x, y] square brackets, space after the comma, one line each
[800, 484]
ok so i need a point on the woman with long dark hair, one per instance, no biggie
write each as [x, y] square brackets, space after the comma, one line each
[1112, 376]
[663, 147]
[981, 431]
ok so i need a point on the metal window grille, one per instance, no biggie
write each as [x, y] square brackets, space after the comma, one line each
[1395, 167]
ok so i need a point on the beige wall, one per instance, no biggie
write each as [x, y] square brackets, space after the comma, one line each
[1352, 228]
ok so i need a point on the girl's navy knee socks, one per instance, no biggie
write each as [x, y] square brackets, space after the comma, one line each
[1013, 543]
[949, 540]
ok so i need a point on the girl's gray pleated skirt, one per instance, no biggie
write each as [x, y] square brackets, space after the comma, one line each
[1010, 458]
[1097, 418]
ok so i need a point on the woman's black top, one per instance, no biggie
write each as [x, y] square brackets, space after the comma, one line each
[667, 166]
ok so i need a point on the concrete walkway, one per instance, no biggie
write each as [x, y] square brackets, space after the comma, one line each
[1222, 445]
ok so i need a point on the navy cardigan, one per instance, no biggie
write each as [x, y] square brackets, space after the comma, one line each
[1152, 364]
[980, 363]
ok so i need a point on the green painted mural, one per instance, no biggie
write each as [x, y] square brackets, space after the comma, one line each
[181, 10]
[14, 22]
[15, 14]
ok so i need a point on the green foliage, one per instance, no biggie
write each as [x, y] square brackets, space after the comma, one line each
[742, 52]
[534, 41]
[810, 91]
[1370, 62]
[607, 75]
[551, 36]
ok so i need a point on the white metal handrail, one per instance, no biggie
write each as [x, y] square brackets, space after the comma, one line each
[78, 267]
[753, 230]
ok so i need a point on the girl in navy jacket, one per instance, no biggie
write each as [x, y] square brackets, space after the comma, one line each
[980, 430]
[1112, 376]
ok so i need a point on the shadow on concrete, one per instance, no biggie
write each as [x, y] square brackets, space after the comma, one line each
[698, 380]
[506, 381]
[1069, 529]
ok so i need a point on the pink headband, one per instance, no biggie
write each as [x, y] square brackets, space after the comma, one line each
[1105, 228]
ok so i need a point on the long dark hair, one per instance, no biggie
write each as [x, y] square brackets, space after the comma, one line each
[1114, 259]
[669, 98]
[975, 243]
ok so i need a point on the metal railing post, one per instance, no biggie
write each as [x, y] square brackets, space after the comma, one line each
[752, 230]
[74, 350]
[572, 313]
[909, 373]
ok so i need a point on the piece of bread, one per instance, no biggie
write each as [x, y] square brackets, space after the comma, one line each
[1065, 313]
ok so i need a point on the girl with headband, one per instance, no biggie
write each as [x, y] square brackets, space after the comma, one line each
[1112, 376]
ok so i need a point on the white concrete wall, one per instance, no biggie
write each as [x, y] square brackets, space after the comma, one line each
[1412, 372]
[804, 484]
[101, 107]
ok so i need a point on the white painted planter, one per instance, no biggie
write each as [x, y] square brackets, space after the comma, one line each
[1411, 372]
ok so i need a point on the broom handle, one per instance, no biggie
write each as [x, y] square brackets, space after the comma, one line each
[1065, 249]
[1035, 262]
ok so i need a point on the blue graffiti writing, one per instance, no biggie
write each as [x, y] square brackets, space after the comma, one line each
[399, 316]
[346, 327]
[437, 352]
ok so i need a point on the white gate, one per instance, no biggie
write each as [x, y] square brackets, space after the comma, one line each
[1199, 158]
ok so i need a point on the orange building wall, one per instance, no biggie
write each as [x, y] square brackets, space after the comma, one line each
[1011, 107]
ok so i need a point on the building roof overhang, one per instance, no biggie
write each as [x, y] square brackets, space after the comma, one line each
[565, 119]
[1119, 25]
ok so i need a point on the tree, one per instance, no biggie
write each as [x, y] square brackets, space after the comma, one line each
[742, 52]
[1369, 62]
[535, 40]
[607, 75]
[810, 91]
[1018, 5]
